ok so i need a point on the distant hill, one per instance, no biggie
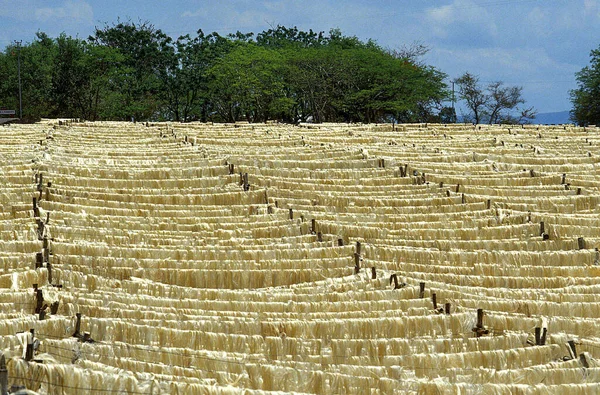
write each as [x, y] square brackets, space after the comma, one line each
[548, 118]
[545, 118]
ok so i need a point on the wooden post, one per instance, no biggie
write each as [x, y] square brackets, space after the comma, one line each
[45, 243]
[531, 173]
[39, 300]
[40, 229]
[579, 191]
[572, 348]
[36, 211]
[241, 178]
[47, 217]
[564, 178]
[529, 216]
[447, 308]
[447, 193]
[269, 209]
[356, 263]
[434, 300]
[291, 213]
[373, 273]
[39, 260]
[538, 336]
[462, 200]
[77, 325]
[246, 184]
[313, 226]
[457, 187]
[441, 184]
[3, 376]
[319, 236]
[489, 204]
[480, 318]
[584, 360]
[86, 337]
[543, 338]
[231, 168]
[54, 307]
[542, 228]
[581, 243]
[421, 290]
[29, 348]
[41, 182]
[358, 247]
[49, 268]
[48, 190]
[340, 242]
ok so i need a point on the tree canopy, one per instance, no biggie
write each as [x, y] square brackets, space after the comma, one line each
[494, 103]
[134, 70]
[586, 98]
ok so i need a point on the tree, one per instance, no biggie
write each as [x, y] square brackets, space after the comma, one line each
[148, 53]
[493, 104]
[502, 98]
[586, 98]
[474, 96]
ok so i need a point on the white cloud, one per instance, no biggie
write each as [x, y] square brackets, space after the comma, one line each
[77, 11]
[453, 20]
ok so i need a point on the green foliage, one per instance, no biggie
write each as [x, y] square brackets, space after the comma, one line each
[586, 98]
[131, 69]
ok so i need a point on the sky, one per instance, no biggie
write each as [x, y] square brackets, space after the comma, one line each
[536, 44]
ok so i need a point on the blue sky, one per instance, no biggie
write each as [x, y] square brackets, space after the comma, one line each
[537, 44]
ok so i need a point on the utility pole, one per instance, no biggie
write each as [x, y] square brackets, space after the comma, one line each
[452, 94]
[19, 72]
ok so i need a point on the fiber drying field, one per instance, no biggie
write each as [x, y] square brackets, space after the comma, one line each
[249, 259]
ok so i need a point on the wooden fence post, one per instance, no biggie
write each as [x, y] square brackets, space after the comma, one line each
[39, 300]
[572, 348]
[77, 325]
[373, 273]
[36, 211]
[358, 247]
[313, 226]
[3, 376]
[39, 260]
[340, 242]
[543, 338]
[479, 328]
[356, 263]
[29, 347]
[542, 228]
[581, 243]
[291, 213]
[447, 308]
[421, 290]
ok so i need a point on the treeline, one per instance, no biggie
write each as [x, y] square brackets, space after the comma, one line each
[133, 70]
